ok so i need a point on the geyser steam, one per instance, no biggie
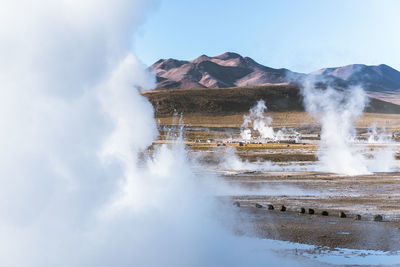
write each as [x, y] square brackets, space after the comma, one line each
[72, 124]
[259, 122]
[375, 136]
[337, 111]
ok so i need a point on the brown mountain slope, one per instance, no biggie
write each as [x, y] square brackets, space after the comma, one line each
[233, 70]
[226, 70]
[278, 97]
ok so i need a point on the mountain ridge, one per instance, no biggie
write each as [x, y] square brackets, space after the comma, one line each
[225, 70]
[233, 70]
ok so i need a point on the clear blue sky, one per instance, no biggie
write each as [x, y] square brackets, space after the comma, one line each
[300, 35]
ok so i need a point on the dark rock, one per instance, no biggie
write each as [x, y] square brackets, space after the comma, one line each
[259, 206]
[324, 213]
[357, 217]
[311, 211]
[342, 214]
[270, 207]
[282, 208]
[378, 218]
[302, 210]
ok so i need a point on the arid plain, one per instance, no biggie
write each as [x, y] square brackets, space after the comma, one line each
[278, 194]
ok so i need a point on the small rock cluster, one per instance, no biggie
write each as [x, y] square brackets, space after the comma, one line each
[302, 210]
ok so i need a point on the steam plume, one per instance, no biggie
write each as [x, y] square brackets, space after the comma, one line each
[336, 111]
[261, 125]
[259, 121]
[71, 126]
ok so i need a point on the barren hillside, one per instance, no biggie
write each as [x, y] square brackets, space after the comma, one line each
[233, 100]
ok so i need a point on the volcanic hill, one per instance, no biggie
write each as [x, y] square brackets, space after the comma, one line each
[231, 69]
[247, 80]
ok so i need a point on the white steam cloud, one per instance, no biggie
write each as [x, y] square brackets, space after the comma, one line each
[337, 111]
[71, 126]
[375, 136]
[228, 160]
[259, 122]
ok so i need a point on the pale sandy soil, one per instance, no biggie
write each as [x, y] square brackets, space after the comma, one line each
[281, 119]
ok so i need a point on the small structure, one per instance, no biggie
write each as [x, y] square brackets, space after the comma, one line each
[324, 213]
[259, 206]
[270, 207]
[282, 208]
[302, 210]
[236, 203]
[342, 214]
[357, 217]
[311, 211]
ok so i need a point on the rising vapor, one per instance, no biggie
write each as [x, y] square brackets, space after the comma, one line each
[71, 126]
[337, 111]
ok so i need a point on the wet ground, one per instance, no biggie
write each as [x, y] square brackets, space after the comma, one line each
[345, 209]
[349, 212]
[367, 195]
[325, 231]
